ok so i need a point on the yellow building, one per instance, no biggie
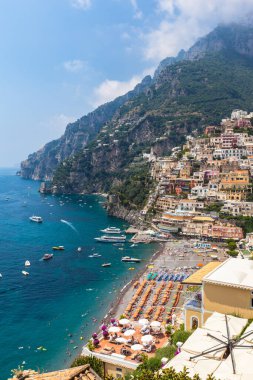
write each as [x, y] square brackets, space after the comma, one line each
[226, 288]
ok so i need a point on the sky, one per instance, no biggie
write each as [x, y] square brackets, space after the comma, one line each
[60, 59]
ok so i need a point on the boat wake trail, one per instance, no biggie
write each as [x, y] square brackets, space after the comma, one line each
[70, 225]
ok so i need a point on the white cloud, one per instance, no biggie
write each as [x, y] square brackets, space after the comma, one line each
[74, 66]
[81, 4]
[186, 20]
[137, 12]
[111, 89]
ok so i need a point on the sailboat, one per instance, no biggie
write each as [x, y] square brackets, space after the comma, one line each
[27, 263]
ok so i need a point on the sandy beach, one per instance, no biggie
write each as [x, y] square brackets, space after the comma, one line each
[174, 256]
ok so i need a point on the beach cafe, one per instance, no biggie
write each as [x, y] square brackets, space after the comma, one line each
[121, 343]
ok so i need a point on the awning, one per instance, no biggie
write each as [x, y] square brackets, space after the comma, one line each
[196, 278]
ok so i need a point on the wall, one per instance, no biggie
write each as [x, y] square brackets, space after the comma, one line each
[226, 300]
[110, 369]
[188, 316]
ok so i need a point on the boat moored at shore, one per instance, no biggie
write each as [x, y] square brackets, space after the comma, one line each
[111, 239]
[128, 259]
[111, 230]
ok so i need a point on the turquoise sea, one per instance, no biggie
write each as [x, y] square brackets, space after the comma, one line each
[64, 298]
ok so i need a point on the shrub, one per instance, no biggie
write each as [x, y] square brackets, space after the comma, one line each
[180, 336]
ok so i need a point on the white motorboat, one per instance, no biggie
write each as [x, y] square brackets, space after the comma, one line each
[95, 255]
[128, 259]
[111, 239]
[106, 265]
[37, 219]
[25, 273]
[27, 263]
[111, 230]
[79, 249]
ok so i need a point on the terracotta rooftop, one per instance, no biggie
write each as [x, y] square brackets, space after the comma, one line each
[83, 372]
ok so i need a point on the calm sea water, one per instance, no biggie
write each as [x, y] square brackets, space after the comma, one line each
[61, 298]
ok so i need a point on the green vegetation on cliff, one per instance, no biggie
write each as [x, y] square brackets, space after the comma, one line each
[183, 99]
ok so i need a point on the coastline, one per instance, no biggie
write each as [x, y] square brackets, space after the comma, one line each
[115, 310]
[168, 255]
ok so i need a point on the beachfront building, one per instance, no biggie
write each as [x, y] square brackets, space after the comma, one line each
[121, 354]
[206, 226]
[224, 287]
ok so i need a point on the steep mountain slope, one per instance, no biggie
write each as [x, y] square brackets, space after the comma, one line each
[185, 97]
[232, 37]
[195, 88]
[42, 164]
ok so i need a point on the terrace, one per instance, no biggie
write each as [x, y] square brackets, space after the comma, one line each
[125, 346]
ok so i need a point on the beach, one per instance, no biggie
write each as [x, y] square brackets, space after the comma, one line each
[172, 257]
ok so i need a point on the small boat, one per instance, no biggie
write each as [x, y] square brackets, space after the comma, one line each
[47, 256]
[27, 263]
[79, 249]
[1, 275]
[106, 265]
[95, 255]
[128, 259]
[58, 248]
[111, 239]
[37, 219]
[111, 230]
[25, 273]
[131, 268]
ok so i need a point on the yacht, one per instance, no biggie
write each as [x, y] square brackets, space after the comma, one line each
[37, 219]
[25, 273]
[128, 259]
[111, 239]
[111, 230]
[27, 263]
[47, 256]
[106, 265]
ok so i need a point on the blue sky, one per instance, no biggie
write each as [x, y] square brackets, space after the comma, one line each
[62, 58]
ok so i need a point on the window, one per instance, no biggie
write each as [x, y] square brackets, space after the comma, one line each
[195, 323]
[118, 369]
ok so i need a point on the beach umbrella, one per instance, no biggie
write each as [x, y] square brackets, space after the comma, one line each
[103, 327]
[155, 324]
[179, 344]
[129, 332]
[137, 347]
[147, 338]
[124, 321]
[200, 265]
[94, 335]
[143, 321]
[114, 329]
[120, 340]
[113, 320]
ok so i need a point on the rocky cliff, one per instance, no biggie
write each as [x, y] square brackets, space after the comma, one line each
[42, 164]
